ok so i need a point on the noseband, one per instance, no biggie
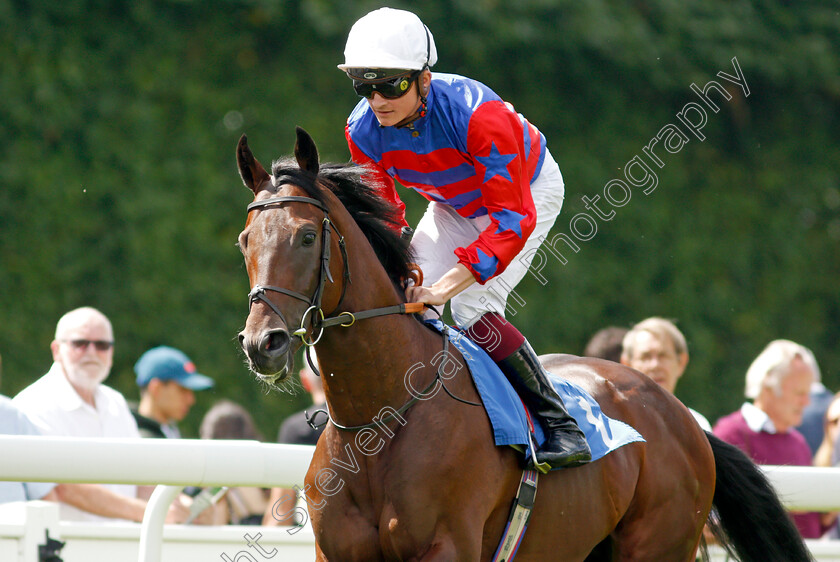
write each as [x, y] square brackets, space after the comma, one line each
[345, 319]
[317, 322]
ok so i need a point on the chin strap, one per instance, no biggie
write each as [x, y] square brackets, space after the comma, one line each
[421, 112]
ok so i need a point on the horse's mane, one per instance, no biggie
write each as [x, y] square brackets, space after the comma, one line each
[376, 217]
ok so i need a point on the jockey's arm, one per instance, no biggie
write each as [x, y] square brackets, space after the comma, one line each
[453, 282]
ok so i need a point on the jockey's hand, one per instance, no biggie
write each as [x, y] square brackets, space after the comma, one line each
[426, 295]
[453, 282]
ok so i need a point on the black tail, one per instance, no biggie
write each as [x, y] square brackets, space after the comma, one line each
[755, 527]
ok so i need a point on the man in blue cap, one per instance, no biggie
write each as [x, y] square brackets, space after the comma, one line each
[167, 379]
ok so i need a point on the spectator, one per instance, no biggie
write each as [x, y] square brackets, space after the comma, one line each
[70, 400]
[81, 496]
[812, 418]
[167, 379]
[13, 422]
[606, 343]
[240, 505]
[295, 430]
[827, 454]
[657, 348]
[778, 382]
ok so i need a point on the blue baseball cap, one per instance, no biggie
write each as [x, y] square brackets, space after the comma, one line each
[169, 364]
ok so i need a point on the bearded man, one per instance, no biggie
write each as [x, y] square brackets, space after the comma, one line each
[70, 400]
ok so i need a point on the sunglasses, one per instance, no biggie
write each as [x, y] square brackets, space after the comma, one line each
[100, 345]
[389, 88]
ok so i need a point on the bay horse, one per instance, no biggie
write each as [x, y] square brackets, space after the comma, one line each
[397, 478]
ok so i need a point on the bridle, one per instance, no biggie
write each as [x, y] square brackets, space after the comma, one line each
[344, 319]
[319, 322]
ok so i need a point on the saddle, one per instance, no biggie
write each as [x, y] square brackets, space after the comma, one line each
[509, 417]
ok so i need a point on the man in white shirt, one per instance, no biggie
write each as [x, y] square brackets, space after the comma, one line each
[70, 400]
[657, 348]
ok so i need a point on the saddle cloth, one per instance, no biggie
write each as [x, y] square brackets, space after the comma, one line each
[507, 412]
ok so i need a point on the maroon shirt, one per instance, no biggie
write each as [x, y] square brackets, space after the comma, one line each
[771, 448]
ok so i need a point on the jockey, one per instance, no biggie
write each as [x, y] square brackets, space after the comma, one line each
[494, 191]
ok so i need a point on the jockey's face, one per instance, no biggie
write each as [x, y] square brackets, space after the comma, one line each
[390, 112]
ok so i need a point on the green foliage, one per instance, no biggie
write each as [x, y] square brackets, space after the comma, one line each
[119, 186]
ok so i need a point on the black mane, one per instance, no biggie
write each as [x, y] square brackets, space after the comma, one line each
[376, 217]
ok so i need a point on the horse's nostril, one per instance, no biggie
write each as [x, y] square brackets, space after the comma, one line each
[276, 342]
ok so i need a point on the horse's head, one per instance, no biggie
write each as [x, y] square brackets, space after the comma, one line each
[286, 245]
[297, 259]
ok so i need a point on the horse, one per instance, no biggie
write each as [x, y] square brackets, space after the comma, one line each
[394, 477]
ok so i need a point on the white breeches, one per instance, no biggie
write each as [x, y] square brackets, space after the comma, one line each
[442, 230]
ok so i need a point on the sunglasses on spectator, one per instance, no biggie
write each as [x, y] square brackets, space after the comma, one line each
[100, 345]
[366, 81]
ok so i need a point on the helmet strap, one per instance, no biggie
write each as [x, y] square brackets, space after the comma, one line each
[421, 111]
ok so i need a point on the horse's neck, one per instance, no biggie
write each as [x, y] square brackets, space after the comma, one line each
[364, 366]
[367, 368]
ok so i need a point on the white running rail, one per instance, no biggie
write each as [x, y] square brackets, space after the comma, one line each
[174, 463]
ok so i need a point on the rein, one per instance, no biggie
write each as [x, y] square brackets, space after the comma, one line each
[422, 395]
[344, 319]
[258, 292]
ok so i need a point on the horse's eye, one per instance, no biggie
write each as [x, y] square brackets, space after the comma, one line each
[243, 241]
[309, 238]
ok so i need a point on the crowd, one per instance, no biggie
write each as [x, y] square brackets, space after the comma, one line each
[783, 387]
[789, 418]
[71, 400]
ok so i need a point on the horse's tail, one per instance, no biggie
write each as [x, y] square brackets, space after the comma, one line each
[755, 526]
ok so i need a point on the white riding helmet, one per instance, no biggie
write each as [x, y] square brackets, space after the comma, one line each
[388, 38]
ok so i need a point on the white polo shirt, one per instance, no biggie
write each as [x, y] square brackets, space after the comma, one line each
[56, 408]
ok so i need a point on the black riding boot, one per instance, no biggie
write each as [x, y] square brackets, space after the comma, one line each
[565, 444]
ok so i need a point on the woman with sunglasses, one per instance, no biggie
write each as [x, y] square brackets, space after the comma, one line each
[494, 191]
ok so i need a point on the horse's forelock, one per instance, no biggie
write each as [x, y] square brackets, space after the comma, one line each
[375, 217]
[286, 170]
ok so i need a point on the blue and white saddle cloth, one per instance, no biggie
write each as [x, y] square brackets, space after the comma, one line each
[507, 412]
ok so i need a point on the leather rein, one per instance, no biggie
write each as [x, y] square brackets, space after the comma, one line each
[318, 322]
[344, 319]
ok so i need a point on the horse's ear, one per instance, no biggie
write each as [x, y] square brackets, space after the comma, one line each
[250, 170]
[306, 153]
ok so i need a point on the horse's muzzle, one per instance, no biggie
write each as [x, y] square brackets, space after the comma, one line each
[269, 353]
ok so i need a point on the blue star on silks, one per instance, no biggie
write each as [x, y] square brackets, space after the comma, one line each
[509, 220]
[486, 265]
[496, 164]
